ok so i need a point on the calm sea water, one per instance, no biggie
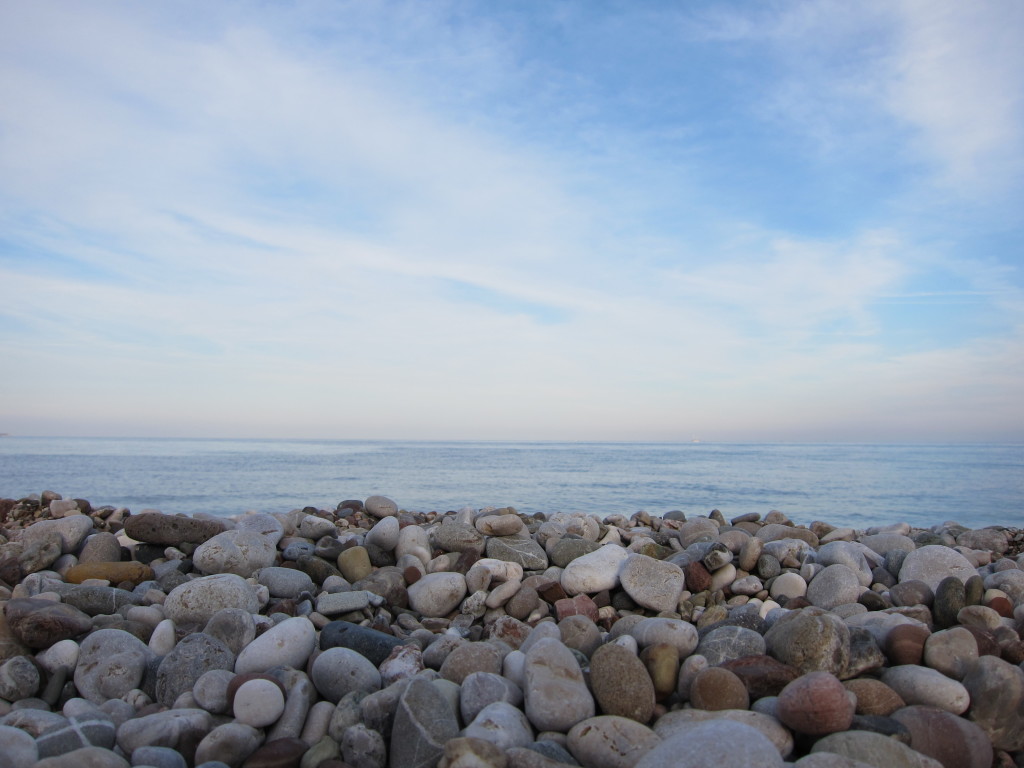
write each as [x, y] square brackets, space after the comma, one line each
[855, 485]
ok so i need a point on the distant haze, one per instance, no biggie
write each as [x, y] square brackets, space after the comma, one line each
[528, 221]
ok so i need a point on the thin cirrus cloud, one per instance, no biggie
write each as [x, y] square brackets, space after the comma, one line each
[335, 219]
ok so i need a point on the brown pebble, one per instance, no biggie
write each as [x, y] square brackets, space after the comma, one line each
[874, 697]
[762, 675]
[816, 704]
[698, 578]
[905, 644]
[662, 663]
[716, 689]
[115, 573]
[1002, 606]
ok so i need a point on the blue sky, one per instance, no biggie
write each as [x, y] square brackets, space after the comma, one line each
[532, 220]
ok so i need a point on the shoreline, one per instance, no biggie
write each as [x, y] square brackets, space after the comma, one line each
[488, 637]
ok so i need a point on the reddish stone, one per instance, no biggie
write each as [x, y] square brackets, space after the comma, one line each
[815, 704]
[1002, 606]
[551, 592]
[905, 644]
[698, 578]
[763, 675]
[954, 741]
[580, 605]
[987, 644]
[411, 575]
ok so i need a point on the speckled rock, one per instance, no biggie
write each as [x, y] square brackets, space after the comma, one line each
[680, 634]
[716, 688]
[437, 594]
[835, 585]
[810, 640]
[874, 697]
[426, 720]
[40, 623]
[195, 602]
[608, 741]
[730, 642]
[111, 663]
[240, 552]
[192, 657]
[621, 684]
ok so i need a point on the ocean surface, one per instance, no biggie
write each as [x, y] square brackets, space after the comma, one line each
[851, 485]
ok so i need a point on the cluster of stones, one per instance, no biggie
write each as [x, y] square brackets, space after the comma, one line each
[369, 636]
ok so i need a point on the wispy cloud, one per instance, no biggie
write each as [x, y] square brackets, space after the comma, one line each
[455, 221]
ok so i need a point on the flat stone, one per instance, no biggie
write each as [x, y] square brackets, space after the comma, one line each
[594, 572]
[522, 550]
[610, 741]
[680, 634]
[653, 584]
[874, 749]
[921, 685]
[171, 530]
[18, 747]
[115, 573]
[285, 582]
[40, 623]
[380, 506]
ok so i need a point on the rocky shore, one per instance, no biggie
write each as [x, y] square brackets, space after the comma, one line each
[369, 636]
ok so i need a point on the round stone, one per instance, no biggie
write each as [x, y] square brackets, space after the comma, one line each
[380, 506]
[339, 671]
[933, 563]
[594, 572]
[810, 640]
[680, 634]
[258, 703]
[384, 533]
[111, 663]
[468, 658]
[835, 585]
[716, 688]
[437, 594]
[730, 642]
[788, 585]
[242, 552]
[816, 704]
[502, 724]
[195, 602]
[192, 657]
[285, 582]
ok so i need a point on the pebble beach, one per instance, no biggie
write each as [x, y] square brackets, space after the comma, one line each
[368, 636]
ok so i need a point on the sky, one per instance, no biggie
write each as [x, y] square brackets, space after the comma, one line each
[591, 220]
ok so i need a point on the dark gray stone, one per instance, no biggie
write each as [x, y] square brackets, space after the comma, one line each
[189, 660]
[426, 721]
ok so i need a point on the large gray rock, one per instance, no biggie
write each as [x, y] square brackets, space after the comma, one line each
[518, 549]
[874, 749]
[557, 696]
[239, 551]
[932, 563]
[195, 602]
[180, 729]
[713, 744]
[653, 584]
[195, 655]
[110, 664]
[996, 688]
[426, 720]
[171, 530]
[811, 640]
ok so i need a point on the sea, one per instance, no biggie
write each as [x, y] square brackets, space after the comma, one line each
[855, 485]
